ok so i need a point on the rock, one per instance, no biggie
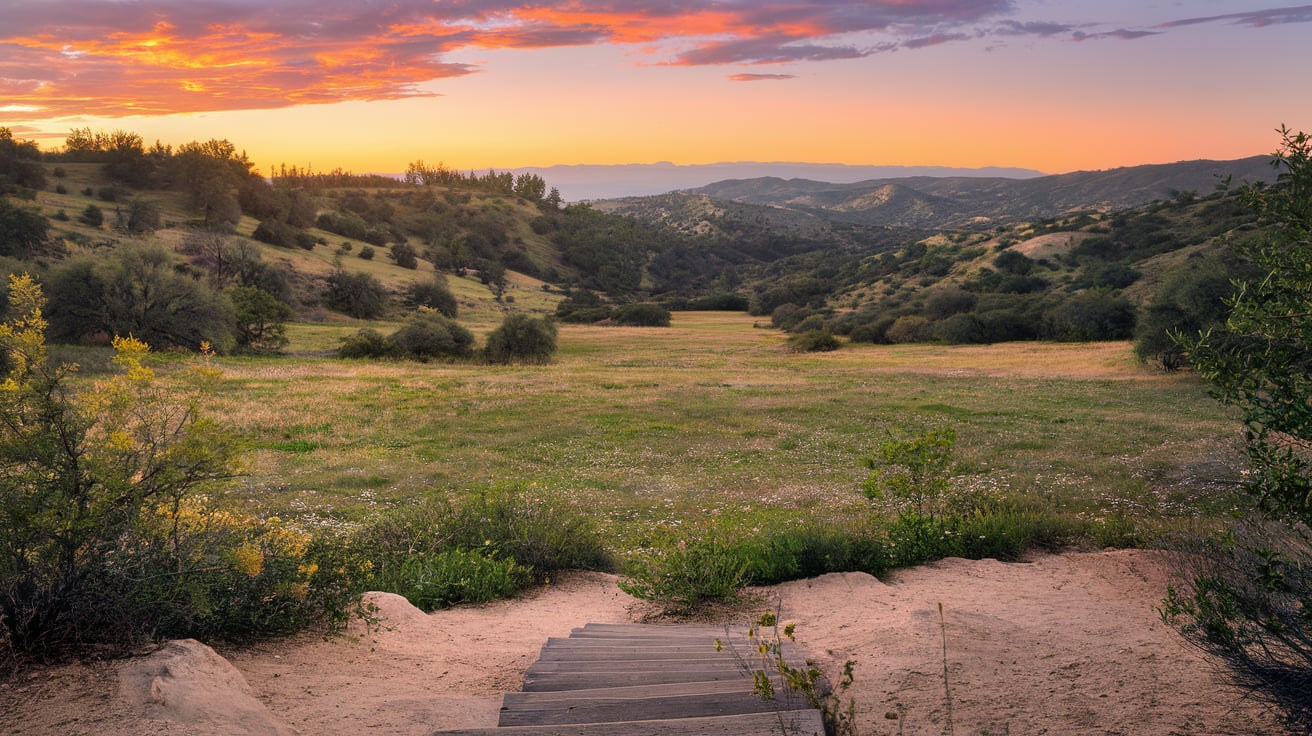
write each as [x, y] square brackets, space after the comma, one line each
[188, 684]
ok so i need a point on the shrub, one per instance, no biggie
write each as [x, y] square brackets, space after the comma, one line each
[141, 216]
[276, 232]
[357, 294]
[405, 255]
[22, 230]
[434, 294]
[689, 574]
[92, 216]
[366, 252]
[366, 343]
[498, 540]
[452, 576]
[642, 314]
[1090, 315]
[813, 341]
[261, 319]
[522, 339]
[103, 294]
[107, 537]
[909, 328]
[428, 334]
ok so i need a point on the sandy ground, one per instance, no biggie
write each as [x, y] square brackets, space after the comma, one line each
[1066, 644]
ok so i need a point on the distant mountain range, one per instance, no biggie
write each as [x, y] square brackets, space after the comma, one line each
[589, 182]
[956, 201]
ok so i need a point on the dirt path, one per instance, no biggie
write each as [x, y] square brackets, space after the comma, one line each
[1066, 644]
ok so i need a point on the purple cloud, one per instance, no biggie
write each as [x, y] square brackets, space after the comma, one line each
[760, 77]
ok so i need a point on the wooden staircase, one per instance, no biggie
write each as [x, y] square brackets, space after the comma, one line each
[650, 680]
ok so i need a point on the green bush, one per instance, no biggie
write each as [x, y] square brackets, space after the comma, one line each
[430, 335]
[366, 343]
[813, 341]
[92, 216]
[521, 339]
[434, 294]
[502, 539]
[357, 294]
[689, 574]
[108, 534]
[643, 314]
[453, 576]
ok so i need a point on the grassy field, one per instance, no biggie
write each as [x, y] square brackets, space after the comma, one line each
[656, 430]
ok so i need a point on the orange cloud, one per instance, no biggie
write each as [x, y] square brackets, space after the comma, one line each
[108, 58]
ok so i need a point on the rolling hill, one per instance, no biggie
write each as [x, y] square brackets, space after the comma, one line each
[983, 202]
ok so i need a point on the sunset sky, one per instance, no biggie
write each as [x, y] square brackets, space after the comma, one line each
[370, 85]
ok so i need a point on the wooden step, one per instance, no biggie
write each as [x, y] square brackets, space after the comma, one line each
[516, 711]
[782, 723]
[674, 689]
[717, 664]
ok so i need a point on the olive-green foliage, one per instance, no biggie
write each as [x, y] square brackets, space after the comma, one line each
[1249, 600]
[429, 335]
[522, 339]
[366, 343]
[405, 255]
[912, 472]
[484, 545]
[452, 576]
[690, 574]
[92, 216]
[818, 340]
[1090, 315]
[137, 290]
[357, 294]
[22, 230]
[642, 314]
[140, 216]
[261, 320]
[1191, 300]
[434, 294]
[105, 538]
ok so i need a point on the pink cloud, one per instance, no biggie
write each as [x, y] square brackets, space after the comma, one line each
[111, 58]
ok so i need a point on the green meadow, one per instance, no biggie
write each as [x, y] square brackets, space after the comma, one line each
[656, 432]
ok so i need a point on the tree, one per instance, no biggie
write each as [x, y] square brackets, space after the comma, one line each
[261, 319]
[20, 163]
[522, 339]
[434, 294]
[405, 255]
[22, 230]
[358, 294]
[1249, 599]
[142, 216]
[137, 290]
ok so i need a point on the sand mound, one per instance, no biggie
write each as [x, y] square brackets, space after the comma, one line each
[1066, 644]
[193, 690]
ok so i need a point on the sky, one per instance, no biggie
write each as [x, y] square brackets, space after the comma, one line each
[371, 85]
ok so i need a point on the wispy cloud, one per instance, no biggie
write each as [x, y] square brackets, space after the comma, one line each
[1254, 18]
[746, 77]
[113, 58]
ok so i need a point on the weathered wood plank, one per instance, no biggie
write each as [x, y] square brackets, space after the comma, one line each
[789, 723]
[706, 664]
[592, 680]
[653, 642]
[674, 689]
[656, 630]
[565, 652]
[519, 712]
